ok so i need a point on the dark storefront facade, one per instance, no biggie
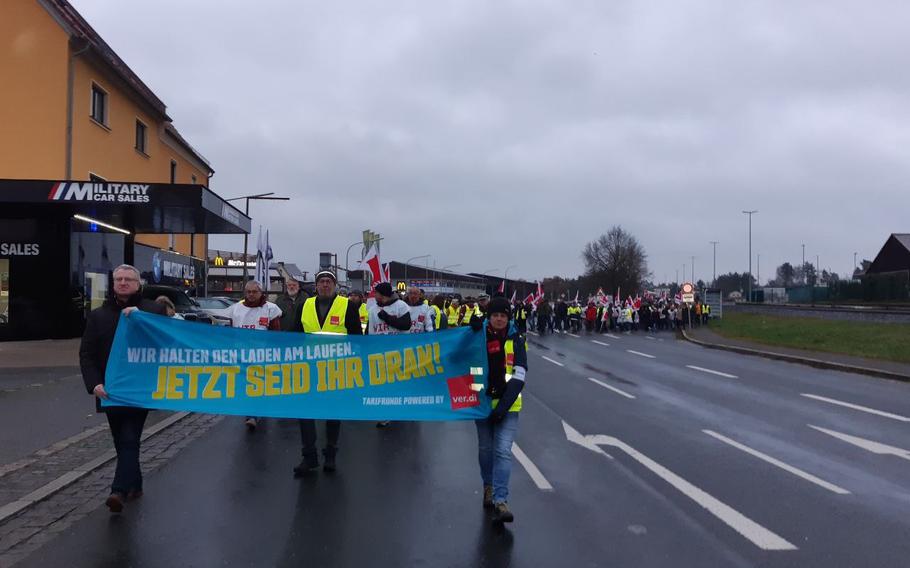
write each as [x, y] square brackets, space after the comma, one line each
[59, 242]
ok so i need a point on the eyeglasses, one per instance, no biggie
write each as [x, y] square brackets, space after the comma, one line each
[125, 279]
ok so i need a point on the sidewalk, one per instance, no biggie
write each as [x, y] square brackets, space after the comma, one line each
[40, 353]
[836, 361]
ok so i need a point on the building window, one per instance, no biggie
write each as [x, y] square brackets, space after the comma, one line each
[173, 171]
[141, 137]
[99, 104]
[193, 177]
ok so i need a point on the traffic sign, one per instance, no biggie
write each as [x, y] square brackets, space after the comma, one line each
[688, 293]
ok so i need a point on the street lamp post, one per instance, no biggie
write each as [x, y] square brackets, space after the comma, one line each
[750, 213]
[714, 273]
[406, 266]
[802, 266]
[693, 270]
[246, 211]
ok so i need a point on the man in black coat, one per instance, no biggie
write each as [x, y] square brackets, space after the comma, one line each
[126, 422]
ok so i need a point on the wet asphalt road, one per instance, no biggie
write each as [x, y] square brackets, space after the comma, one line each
[410, 495]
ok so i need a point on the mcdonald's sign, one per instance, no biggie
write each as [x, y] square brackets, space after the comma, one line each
[219, 260]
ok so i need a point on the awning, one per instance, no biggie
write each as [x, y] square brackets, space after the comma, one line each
[135, 207]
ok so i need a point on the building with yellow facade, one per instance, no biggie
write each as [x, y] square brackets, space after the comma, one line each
[73, 111]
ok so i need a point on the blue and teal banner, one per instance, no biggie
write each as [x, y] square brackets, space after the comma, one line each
[164, 363]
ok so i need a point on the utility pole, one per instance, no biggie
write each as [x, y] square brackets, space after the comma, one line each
[714, 273]
[758, 269]
[803, 265]
[750, 213]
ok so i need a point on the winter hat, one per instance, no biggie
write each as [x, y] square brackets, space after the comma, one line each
[499, 305]
[324, 273]
[384, 288]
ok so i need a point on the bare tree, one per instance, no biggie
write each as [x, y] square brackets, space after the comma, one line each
[616, 260]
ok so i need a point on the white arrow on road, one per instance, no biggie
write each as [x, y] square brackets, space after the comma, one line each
[757, 534]
[869, 445]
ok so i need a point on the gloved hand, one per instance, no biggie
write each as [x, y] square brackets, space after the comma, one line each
[476, 323]
[497, 414]
[383, 315]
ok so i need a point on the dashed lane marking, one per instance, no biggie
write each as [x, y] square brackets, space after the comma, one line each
[611, 336]
[640, 354]
[600, 343]
[572, 335]
[773, 461]
[614, 389]
[552, 361]
[533, 333]
[718, 373]
[857, 407]
[539, 480]
[868, 445]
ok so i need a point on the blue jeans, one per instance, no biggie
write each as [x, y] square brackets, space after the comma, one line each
[494, 444]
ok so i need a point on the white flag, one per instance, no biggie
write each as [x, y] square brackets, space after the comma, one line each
[263, 259]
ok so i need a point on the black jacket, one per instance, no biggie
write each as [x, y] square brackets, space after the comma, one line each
[100, 326]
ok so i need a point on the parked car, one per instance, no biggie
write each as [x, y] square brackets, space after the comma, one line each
[185, 306]
[216, 307]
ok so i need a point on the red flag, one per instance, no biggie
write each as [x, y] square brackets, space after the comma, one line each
[512, 300]
[539, 295]
[371, 261]
[529, 299]
[386, 270]
[502, 287]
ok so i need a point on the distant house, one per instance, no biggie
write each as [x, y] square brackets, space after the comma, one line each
[894, 255]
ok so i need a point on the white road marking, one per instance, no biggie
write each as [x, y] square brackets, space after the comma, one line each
[611, 336]
[572, 335]
[869, 445]
[600, 343]
[552, 361]
[533, 332]
[755, 533]
[640, 354]
[702, 369]
[649, 337]
[539, 480]
[795, 471]
[614, 389]
[858, 407]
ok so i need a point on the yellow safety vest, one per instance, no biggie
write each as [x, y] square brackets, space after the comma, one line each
[437, 318]
[452, 316]
[510, 368]
[364, 316]
[334, 320]
[468, 312]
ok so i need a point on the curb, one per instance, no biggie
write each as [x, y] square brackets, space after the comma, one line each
[15, 507]
[818, 363]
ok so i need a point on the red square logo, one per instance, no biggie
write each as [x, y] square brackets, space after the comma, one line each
[264, 321]
[460, 393]
[493, 347]
[335, 320]
[421, 318]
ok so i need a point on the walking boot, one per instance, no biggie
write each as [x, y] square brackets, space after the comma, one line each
[115, 502]
[502, 514]
[310, 462]
[487, 496]
[329, 454]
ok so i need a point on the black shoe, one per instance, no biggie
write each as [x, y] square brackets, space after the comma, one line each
[502, 514]
[329, 455]
[309, 463]
[383, 423]
[115, 502]
[251, 424]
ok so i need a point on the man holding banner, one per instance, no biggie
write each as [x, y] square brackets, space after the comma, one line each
[126, 423]
[327, 312]
[508, 363]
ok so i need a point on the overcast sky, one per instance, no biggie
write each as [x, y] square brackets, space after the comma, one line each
[496, 133]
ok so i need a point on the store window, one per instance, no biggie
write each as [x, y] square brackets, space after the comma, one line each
[4, 291]
[93, 257]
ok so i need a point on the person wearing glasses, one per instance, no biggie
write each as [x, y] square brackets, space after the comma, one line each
[126, 422]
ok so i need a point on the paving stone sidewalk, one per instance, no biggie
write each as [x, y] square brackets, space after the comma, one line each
[22, 534]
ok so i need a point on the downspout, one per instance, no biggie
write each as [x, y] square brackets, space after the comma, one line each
[70, 80]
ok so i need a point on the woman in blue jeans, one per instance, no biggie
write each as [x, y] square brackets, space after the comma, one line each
[508, 363]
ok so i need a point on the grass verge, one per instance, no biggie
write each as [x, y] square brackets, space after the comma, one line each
[887, 341]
